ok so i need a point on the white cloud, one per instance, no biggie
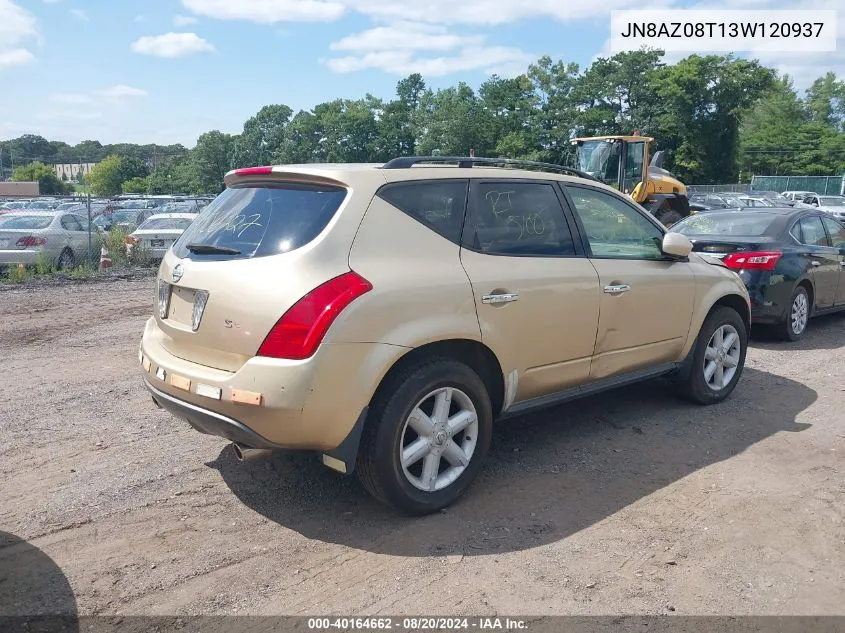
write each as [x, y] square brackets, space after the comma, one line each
[405, 36]
[80, 15]
[184, 20]
[490, 12]
[70, 98]
[392, 48]
[172, 45]
[15, 57]
[17, 26]
[268, 11]
[121, 92]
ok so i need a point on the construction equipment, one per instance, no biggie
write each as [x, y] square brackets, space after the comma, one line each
[623, 162]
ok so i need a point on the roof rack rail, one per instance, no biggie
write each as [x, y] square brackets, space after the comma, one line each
[406, 162]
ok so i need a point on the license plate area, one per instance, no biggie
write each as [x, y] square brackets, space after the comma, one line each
[181, 305]
[157, 243]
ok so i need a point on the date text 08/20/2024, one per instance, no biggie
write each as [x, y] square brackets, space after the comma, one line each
[416, 624]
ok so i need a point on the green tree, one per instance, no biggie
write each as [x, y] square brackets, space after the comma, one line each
[826, 101]
[452, 123]
[44, 175]
[106, 177]
[211, 159]
[553, 119]
[262, 137]
[136, 185]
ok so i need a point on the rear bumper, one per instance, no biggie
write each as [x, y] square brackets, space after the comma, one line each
[26, 257]
[300, 405]
[209, 422]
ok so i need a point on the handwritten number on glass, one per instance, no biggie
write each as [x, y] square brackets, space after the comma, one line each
[531, 225]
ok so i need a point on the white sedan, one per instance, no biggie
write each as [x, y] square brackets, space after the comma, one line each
[156, 235]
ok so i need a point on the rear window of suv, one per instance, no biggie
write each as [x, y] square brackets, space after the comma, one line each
[252, 221]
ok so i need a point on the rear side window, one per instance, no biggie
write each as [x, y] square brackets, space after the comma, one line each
[812, 231]
[70, 223]
[437, 204]
[165, 223]
[253, 221]
[518, 219]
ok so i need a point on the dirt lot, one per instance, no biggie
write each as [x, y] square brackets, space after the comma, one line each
[634, 502]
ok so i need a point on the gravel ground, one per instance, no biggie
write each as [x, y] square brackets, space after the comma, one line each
[634, 502]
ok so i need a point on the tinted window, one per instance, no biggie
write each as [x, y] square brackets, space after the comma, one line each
[438, 205]
[735, 223]
[70, 223]
[32, 222]
[833, 202]
[812, 231]
[165, 223]
[259, 221]
[836, 232]
[615, 229]
[508, 218]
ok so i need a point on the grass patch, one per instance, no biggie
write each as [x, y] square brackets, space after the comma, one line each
[17, 275]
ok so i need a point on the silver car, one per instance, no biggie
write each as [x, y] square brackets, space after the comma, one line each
[32, 237]
[156, 235]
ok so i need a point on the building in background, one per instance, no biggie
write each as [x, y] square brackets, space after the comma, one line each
[19, 189]
[73, 172]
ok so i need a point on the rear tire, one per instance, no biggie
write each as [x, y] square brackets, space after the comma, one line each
[718, 358]
[66, 260]
[797, 317]
[415, 463]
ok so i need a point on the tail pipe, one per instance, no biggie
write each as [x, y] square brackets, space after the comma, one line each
[246, 454]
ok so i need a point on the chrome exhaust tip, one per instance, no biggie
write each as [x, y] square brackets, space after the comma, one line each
[246, 454]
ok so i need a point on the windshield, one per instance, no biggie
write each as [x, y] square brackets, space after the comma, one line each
[32, 222]
[600, 159]
[731, 224]
[832, 202]
[247, 222]
[163, 224]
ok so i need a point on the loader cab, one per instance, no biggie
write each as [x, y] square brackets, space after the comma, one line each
[618, 161]
[623, 163]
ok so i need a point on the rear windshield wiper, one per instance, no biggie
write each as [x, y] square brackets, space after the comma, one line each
[210, 249]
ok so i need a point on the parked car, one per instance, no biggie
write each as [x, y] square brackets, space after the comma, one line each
[384, 316]
[156, 235]
[833, 205]
[126, 220]
[731, 200]
[798, 196]
[29, 237]
[777, 199]
[17, 205]
[791, 261]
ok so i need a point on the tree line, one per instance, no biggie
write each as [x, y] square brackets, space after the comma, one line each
[718, 118]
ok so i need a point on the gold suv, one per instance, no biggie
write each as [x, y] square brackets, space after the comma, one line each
[384, 316]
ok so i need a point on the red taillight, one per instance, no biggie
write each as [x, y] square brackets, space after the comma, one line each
[301, 329]
[254, 171]
[31, 241]
[753, 260]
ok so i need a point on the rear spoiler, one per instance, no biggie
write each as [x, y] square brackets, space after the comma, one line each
[260, 175]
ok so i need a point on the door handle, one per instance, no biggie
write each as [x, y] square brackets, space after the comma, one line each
[616, 289]
[815, 263]
[499, 299]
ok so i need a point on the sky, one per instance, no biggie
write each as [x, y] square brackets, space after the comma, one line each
[165, 71]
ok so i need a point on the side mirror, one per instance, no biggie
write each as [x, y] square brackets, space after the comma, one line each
[676, 245]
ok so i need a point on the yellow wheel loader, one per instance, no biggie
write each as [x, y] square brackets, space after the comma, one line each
[623, 162]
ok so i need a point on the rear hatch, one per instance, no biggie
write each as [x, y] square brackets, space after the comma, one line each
[245, 260]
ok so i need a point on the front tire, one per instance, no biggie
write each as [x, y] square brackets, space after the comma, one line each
[428, 432]
[718, 358]
[795, 324]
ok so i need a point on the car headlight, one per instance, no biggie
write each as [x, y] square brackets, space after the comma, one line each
[163, 299]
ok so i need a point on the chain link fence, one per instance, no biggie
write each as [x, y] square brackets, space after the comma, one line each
[736, 188]
[78, 235]
[824, 185]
